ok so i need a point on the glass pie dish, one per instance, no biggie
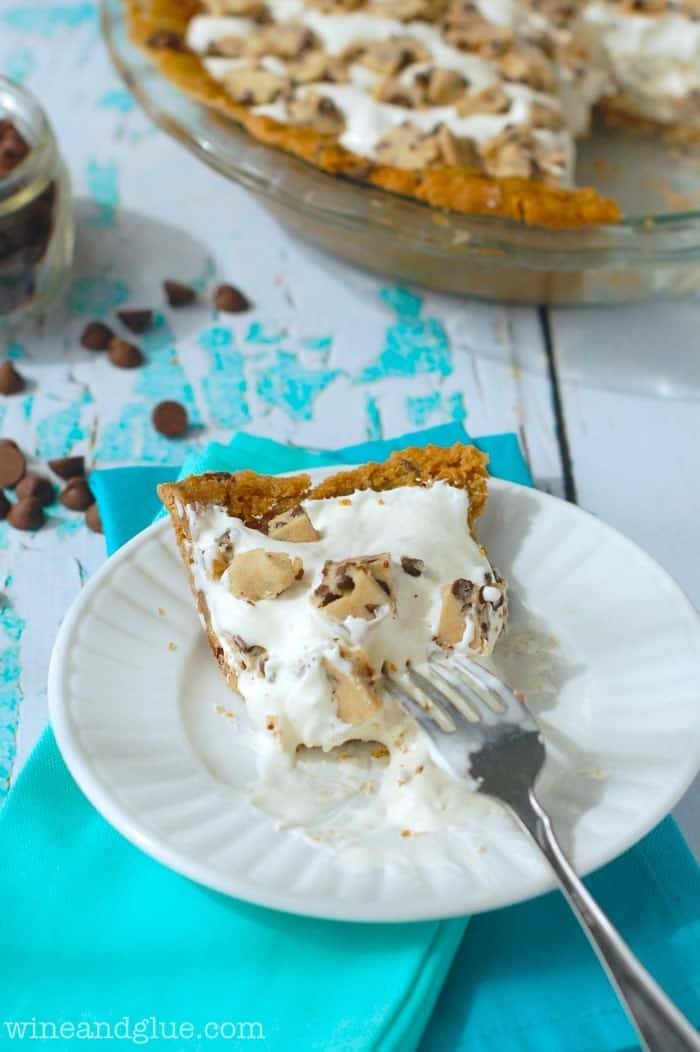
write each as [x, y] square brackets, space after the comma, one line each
[653, 252]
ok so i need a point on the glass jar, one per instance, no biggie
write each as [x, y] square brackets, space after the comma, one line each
[36, 215]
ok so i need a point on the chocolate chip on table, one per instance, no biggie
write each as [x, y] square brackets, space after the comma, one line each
[12, 464]
[13, 146]
[170, 419]
[230, 299]
[11, 382]
[135, 320]
[35, 486]
[96, 336]
[93, 520]
[76, 495]
[4, 505]
[68, 467]
[413, 567]
[166, 40]
[27, 514]
[123, 354]
[179, 295]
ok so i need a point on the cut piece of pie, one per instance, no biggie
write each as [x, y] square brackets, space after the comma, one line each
[307, 592]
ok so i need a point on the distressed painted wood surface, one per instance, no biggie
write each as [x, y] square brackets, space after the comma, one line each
[329, 355]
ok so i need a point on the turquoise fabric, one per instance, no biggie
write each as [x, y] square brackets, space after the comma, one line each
[95, 931]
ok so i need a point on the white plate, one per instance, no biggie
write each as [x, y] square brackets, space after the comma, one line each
[133, 692]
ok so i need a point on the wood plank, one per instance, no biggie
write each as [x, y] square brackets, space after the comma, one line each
[630, 385]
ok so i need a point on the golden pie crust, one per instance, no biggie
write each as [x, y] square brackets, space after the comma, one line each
[458, 189]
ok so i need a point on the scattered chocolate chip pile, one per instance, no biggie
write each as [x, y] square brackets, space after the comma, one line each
[123, 354]
[27, 514]
[135, 320]
[11, 382]
[231, 300]
[12, 463]
[177, 294]
[36, 486]
[76, 495]
[34, 492]
[68, 467]
[96, 336]
[170, 419]
[92, 518]
[25, 232]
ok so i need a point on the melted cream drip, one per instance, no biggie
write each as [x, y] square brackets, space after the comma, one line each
[367, 120]
[653, 59]
[292, 705]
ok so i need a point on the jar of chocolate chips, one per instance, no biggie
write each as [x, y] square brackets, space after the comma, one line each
[36, 219]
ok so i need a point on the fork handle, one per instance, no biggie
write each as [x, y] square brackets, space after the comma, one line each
[660, 1025]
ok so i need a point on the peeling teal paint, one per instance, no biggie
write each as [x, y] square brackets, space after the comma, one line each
[200, 281]
[420, 408]
[412, 345]
[117, 99]
[102, 181]
[11, 629]
[68, 527]
[58, 432]
[44, 20]
[456, 407]
[97, 297]
[405, 303]
[256, 334]
[225, 387]
[19, 65]
[16, 350]
[288, 385]
[133, 436]
[374, 420]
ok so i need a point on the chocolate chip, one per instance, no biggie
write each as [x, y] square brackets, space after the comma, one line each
[166, 40]
[123, 354]
[179, 295]
[462, 589]
[135, 320]
[35, 486]
[11, 382]
[12, 464]
[345, 583]
[413, 567]
[170, 419]
[230, 299]
[96, 336]
[76, 495]
[4, 505]
[27, 514]
[68, 467]
[93, 520]
[13, 146]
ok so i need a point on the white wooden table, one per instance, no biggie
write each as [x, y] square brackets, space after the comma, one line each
[605, 401]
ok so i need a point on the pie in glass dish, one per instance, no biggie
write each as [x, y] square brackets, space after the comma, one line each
[470, 105]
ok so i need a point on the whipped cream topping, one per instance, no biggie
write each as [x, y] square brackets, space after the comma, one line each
[652, 59]
[288, 698]
[368, 119]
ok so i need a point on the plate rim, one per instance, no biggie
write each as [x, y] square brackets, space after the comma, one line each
[88, 779]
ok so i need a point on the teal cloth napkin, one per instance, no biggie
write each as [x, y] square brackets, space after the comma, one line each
[95, 931]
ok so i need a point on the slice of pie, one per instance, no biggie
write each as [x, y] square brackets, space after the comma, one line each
[308, 592]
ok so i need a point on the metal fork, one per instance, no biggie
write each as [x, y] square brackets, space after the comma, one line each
[481, 732]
